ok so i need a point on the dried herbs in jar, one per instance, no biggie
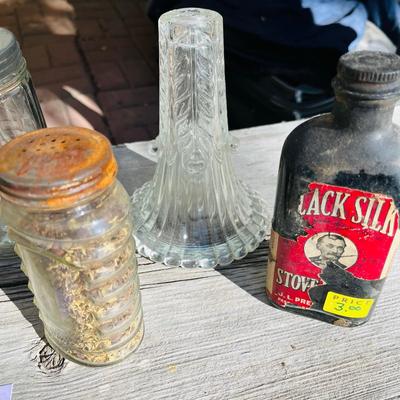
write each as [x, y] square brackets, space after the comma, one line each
[70, 218]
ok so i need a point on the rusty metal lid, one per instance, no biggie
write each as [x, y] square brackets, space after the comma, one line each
[55, 167]
[369, 72]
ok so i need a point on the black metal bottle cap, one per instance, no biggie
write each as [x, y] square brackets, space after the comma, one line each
[369, 74]
[10, 56]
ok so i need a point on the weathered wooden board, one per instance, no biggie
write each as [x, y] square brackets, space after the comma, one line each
[210, 334]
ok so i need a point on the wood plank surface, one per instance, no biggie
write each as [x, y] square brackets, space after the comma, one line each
[210, 334]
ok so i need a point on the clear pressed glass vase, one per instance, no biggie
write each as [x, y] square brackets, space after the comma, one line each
[195, 212]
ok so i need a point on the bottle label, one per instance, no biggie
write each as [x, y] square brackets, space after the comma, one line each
[339, 263]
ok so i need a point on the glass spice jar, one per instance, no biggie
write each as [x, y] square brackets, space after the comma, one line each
[70, 219]
[19, 109]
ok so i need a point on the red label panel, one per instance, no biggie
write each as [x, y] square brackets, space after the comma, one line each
[348, 246]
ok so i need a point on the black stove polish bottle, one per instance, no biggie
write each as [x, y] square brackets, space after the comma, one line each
[335, 225]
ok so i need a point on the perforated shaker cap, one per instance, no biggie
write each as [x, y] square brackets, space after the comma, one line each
[55, 167]
[369, 72]
[10, 56]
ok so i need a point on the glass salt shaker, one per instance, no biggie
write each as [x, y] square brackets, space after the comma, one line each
[19, 109]
[71, 221]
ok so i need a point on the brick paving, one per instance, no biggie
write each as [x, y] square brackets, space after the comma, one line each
[93, 63]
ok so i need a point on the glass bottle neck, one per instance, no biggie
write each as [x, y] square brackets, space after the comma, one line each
[364, 115]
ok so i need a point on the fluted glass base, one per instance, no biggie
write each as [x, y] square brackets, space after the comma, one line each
[219, 239]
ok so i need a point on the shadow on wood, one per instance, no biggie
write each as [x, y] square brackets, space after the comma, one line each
[14, 284]
[250, 272]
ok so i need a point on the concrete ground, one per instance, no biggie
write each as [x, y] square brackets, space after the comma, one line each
[93, 63]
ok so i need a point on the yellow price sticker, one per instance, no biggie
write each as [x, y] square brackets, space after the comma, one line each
[346, 306]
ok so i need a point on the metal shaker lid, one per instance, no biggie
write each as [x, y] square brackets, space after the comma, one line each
[367, 73]
[55, 167]
[10, 56]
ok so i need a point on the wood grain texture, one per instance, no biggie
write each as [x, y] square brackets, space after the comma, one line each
[210, 334]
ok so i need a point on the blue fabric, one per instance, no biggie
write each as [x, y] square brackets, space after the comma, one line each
[386, 15]
[300, 41]
[332, 24]
[348, 13]
[285, 22]
[6, 392]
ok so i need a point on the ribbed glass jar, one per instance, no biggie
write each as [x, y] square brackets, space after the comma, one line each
[70, 219]
[19, 109]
